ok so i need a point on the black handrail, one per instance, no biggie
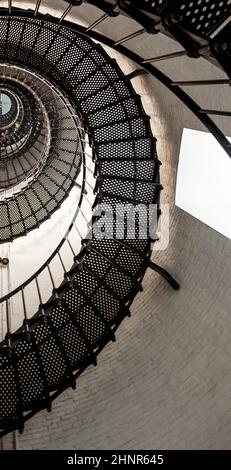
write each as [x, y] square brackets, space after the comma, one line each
[55, 252]
[141, 61]
[127, 299]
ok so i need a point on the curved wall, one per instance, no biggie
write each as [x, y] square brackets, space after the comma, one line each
[165, 383]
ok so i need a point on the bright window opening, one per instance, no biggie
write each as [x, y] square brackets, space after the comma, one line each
[204, 180]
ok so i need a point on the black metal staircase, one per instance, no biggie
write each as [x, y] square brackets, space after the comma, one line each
[40, 165]
[53, 347]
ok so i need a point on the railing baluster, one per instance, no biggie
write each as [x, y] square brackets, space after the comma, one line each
[130, 36]
[90, 170]
[100, 20]
[65, 13]
[25, 322]
[85, 141]
[136, 73]
[38, 290]
[77, 230]
[202, 82]
[61, 261]
[88, 201]
[89, 184]
[215, 112]
[77, 185]
[8, 324]
[71, 247]
[51, 276]
[164, 57]
[24, 305]
[83, 215]
[88, 154]
[38, 3]
[63, 266]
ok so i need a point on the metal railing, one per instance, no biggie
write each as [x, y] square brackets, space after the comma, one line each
[126, 300]
[191, 47]
[60, 118]
[71, 241]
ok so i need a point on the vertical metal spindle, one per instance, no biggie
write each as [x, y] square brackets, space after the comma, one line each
[9, 6]
[41, 309]
[8, 323]
[130, 36]
[38, 290]
[88, 201]
[83, 215]
[37, 7]
[88, 154]
[64, 268]
[70, 245]
[77, 185]
[25, 322]
[173, 55]
[51, 277]
[85, 141]
[52, 282]
[77, 230]
[202, 82]
[97, 22]
[89, 184]
[65, 13]
[24, 305]
[62, 263]
[90, 170]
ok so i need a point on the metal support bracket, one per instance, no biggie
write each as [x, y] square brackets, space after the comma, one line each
[165, 274]
[136, 73]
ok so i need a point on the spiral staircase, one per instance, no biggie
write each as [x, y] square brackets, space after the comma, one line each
[66, 92]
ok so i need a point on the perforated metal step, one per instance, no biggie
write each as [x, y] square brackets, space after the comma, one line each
[69, 330]
[40, 167]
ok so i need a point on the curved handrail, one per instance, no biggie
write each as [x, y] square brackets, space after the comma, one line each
[54, 253]
[76, 155]
[168, 83]
[139, 60]
[161, 77]
[147, 66]
[123, 301]
[83, 191]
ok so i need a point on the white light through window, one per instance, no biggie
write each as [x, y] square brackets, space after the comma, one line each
[204, 180]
